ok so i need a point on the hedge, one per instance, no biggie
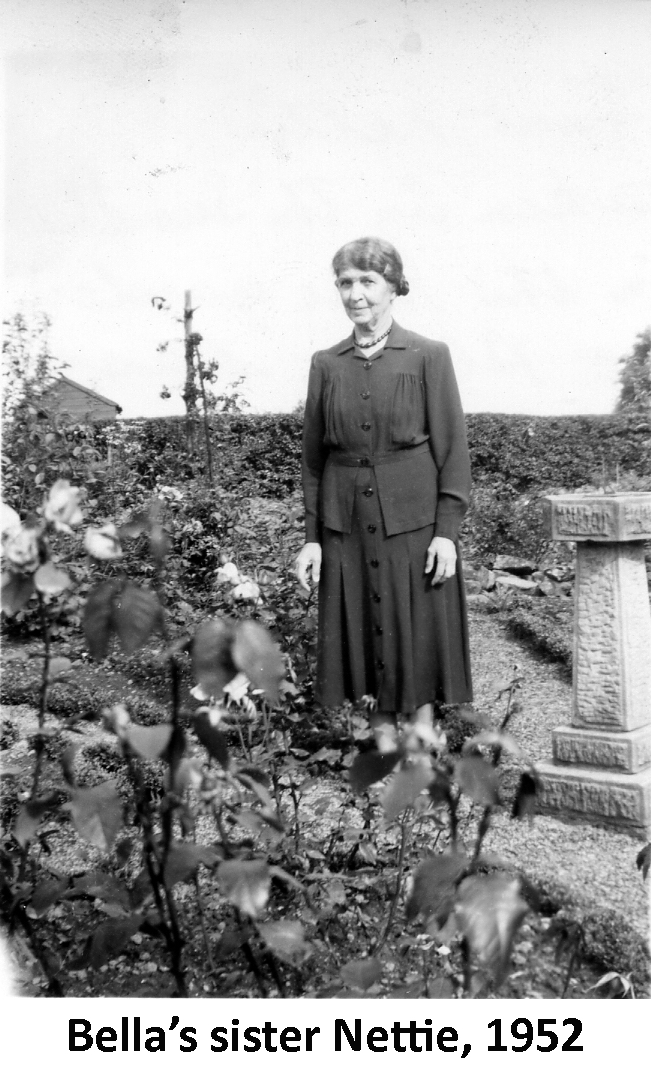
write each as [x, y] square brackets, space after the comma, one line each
[571, 451]
[526, 453]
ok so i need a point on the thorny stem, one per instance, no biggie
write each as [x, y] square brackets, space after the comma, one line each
[15, 906]
[335, 836]
[176, 948]
[43, 695]
[482, 830]
[570, 968]
[487, 813]
[405, 828]
[226, 845]
[174, 752]
[453, 804]
[467, 967]
[512, 689]
[174, 755]
[577, 940]
[249, 955]
[156, 872]
[297, 825]
[152, 860]
[266, 721]
[425, 960]
[275, 781]
[270, 960]
[39, 743]
[245, 752]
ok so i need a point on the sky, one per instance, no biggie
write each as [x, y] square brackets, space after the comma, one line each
[230, 147]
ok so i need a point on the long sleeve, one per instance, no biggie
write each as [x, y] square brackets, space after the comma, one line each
[448, 443]
[314, 451]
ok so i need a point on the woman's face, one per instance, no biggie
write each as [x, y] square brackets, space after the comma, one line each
[366, 296]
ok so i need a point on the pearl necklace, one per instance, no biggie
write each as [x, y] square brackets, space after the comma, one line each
[369, 344]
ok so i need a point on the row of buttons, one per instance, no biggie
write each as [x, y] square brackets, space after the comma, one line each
[368, 491]
[366, 426]
[375, 563]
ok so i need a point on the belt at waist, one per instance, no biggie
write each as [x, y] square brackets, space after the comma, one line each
[349, 459]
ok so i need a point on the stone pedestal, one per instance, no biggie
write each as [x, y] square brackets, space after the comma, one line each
[601, 770]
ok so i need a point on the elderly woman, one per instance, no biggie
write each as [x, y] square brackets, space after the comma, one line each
[386, 481]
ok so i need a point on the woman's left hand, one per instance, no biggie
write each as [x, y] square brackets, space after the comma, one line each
[443, 553]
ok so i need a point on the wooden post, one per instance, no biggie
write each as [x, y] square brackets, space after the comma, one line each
[206, 421]
[190, 391]
[194, 371]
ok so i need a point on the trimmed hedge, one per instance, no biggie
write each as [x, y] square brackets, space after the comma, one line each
[527, 453]
[264, 450]
[516, 459]
[543, 452]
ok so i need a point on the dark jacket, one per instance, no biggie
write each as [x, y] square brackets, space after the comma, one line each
[398, 412]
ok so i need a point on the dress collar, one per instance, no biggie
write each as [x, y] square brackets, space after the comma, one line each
[396, 339]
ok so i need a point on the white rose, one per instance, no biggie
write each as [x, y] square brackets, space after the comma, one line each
[103, 542]
[228, 573]
[238, 687]
[170, 492]
[246, 591]
[8, 518]
[20, 548]
[62, 506]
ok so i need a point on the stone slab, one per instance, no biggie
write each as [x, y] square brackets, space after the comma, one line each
[598, 517]
[606, 798]
[627, 752]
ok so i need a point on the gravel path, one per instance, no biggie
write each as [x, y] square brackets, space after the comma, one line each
[592, 868]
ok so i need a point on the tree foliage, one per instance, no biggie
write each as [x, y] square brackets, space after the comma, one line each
[28, 364]
[635, 376]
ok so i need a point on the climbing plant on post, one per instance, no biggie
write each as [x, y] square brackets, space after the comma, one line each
[197, 373]
[190, 391]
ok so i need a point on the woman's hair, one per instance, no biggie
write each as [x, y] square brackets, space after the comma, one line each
[371, 253]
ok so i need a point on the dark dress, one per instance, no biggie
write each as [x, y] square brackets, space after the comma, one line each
[385, 468]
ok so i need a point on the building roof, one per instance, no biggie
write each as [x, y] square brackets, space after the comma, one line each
[85, 389]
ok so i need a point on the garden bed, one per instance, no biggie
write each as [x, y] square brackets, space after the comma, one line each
[588, 908]
[284, 879]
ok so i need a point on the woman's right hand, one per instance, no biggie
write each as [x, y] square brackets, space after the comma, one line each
[308, 563]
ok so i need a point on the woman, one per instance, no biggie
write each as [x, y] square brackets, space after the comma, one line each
[386, 481]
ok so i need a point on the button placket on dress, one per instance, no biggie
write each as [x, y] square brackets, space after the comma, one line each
[371, 532]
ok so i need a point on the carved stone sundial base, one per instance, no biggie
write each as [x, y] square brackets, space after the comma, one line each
[602, 762]
[605, 797]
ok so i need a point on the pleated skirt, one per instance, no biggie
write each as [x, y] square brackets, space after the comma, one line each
[384, 630]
